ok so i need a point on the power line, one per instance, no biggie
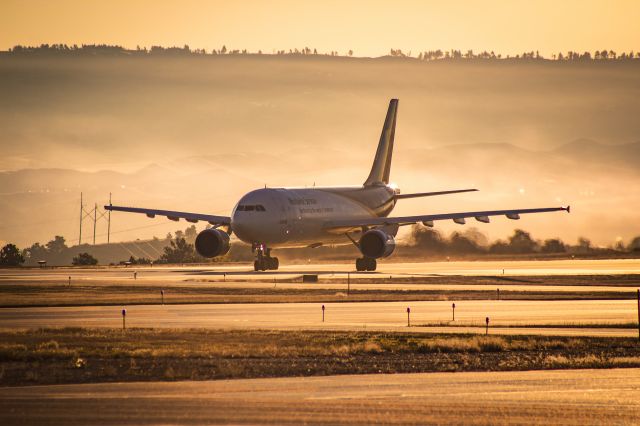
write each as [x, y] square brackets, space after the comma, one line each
[133, 229]
[103, 214]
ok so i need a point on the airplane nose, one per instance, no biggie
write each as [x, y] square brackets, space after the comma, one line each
[238, 224]
[243, 227]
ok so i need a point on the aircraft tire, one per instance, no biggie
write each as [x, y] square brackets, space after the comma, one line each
[371, 264]
[360, 264]
[275, 263]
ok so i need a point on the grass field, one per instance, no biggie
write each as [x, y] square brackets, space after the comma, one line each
[24, 295]
[77, 355]
[105, 291]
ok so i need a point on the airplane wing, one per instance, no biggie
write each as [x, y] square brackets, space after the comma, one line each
[173, 215]
[346, 225]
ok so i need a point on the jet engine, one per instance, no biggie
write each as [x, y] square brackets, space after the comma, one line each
[376, 243]
[212, 243]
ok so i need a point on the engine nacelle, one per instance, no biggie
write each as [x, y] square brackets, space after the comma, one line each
[377, 243]
[212, 243]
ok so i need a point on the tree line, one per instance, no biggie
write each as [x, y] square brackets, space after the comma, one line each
[176, 248]
[422, 243]
[472, 241]
[429, 55]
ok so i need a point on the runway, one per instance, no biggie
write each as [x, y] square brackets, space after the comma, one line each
[390, 316]
[567, 397]
[244, 272]
[618, 276]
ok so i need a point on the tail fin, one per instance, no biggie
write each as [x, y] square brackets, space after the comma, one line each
[382, 162]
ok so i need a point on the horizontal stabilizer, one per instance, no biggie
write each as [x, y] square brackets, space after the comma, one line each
[431, 194]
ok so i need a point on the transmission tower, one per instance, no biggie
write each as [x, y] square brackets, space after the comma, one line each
[94, 215]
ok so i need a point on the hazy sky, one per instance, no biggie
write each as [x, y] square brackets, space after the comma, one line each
[369, 27]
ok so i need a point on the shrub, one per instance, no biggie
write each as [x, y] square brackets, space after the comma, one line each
[84, 259]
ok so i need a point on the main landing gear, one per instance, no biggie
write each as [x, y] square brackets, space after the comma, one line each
[366, 264]
[264, 261]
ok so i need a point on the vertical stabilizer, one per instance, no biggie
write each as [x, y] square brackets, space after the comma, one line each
[382, 162]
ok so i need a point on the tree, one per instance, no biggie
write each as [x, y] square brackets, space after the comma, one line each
[427, 239]
[584, 244]
[459, 243]
[10, 256]
[521, 242]
[499, 247]
[190, 234]
[84, 259]
[180, 252]
[57, 245]
[553, 245]
[34, 253]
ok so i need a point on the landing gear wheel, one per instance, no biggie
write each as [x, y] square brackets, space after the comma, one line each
[366, 264]
[264, 261]
[371, 264]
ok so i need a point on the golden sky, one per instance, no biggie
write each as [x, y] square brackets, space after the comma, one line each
[368, 27]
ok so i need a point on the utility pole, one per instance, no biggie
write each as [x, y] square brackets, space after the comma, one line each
[95, 218]
[81, 213]
[109, 222]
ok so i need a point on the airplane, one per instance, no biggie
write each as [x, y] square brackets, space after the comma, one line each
[271, 218]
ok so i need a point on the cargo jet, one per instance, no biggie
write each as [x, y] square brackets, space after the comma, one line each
[270, 218]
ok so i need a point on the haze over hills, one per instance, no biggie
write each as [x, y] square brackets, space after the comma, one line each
[195, 133]
[38, 203]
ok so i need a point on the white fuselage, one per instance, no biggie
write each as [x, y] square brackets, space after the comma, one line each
[294, 217]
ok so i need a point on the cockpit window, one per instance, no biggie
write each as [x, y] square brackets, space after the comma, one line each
[250, 208]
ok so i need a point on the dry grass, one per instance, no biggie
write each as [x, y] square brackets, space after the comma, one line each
[88, 355]
[469, 344]
[498, 324]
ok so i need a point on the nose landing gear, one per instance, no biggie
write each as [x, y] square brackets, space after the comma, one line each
[264, 261]
[366, 264]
